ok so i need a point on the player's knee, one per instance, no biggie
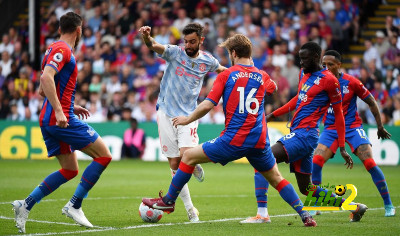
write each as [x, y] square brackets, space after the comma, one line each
[69, 174]
[369, 163]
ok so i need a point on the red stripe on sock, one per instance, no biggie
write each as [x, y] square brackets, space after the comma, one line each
[48, 186]
[282, 184]
[298, 199]
[380, 181]
[87, 181]
[255, 171]
[384, 193]
[104, 161]
[319, 160]
[262, 188]
[186, 168]
[68, 174]
[369, 163]
[263, 201]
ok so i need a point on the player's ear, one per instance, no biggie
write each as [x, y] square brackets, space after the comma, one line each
[202, 40]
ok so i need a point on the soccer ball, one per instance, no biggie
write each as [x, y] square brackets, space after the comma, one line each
[149, 215]
[340, 190]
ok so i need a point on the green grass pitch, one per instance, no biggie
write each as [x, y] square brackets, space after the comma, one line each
[223, 199]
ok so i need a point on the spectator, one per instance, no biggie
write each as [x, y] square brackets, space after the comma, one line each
[95, 21]
[337, 32]
[291, 72]
[182, 20]
[63, 9]
[6, 45]
[382, 44]
[134, 141]
[278, 59]
[5, 63]
[371, 54]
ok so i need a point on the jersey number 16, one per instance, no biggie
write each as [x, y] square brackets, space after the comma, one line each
[249, 100]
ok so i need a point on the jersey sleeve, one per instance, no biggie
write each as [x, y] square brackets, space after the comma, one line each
[360, 90]
[58, 57]
[218, 88]
[332, 87]
[214, 64]
[170, 52]
[269, 84]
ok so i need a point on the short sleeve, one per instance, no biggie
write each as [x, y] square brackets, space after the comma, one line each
[360, 90]
[58, 57]
[269, 85]
[332, 87]
[218, 88]
[214, 64]
[170, 52]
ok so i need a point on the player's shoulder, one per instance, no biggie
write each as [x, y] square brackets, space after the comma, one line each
[351, 79]
[328, 76]
[61, 49]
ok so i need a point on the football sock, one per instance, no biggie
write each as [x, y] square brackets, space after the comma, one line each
[318, 163]
[184, 194]
[261, 190]
[287, 192]
[182, 176]
[379, 180]
[49, 184]
[89, 178]
[319, 190]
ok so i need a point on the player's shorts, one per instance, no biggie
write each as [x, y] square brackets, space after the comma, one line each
[76, 136]
[299, 146]
[172, 139]
[355, 137]
[219, 151]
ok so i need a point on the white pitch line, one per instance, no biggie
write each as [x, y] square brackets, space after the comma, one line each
[158, 225]
[137, 197]
[49, 222]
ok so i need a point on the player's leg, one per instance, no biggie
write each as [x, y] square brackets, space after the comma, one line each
[364, 152]
[321, 155]
[266, 165]
[261, 190]
[187, 165]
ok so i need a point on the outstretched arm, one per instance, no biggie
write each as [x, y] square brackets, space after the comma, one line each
[220, 69]
[290, 106]
[382, 132]
[149, 41]
[200, 111]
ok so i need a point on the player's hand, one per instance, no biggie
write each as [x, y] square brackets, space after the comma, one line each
[61, 119]
[145, 31]
[81, 112]
[346, 157]
[270, 117]
[180, 120]
[383, 134]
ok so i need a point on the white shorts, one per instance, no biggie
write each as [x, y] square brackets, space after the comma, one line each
[172, 139]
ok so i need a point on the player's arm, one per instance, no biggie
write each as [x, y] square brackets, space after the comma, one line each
[41, 92]
[373, 106]
[49, 89]
[200, 111]
[150, 42]
[290, 106]
[220, 69]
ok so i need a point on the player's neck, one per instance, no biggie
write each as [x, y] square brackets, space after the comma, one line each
[243, 61]
[69, 39]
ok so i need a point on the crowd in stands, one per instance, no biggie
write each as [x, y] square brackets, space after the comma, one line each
[119, 77]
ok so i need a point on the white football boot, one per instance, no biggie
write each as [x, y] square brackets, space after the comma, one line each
[21, 214]
[198, 173]
[256, 220]
[193, 214]
[76, 214]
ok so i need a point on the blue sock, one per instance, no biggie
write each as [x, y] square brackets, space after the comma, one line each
[261, 189]
[381, 185]
[89, 178]
[49, 184]
[181, 177]
[319, 189]
[288, 193]
[318, 163]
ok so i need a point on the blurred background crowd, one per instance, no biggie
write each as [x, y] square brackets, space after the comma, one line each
[119, 77]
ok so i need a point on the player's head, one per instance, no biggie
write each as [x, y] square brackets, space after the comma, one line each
[238, 46]
[71, 23]
[332, 61]
[193, 38]
[310, 57]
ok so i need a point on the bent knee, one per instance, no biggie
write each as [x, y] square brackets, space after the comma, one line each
[104, 161]
[69, 174]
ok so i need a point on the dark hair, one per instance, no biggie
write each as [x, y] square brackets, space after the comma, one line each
[193, 28]
[334, 54]
[312, 47]
[133, 120]
[69, 22]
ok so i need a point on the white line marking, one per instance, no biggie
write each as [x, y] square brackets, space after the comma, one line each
[154, 225]
[49, 222]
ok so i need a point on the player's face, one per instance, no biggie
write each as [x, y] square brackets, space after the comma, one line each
[192, 44]
[331, 64]
[308, 60]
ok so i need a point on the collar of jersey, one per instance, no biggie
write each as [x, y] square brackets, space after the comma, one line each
[245, 65]
[65, 43]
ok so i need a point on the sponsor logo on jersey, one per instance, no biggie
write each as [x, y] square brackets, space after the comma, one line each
[181, 72]
[305, 87]
[303, 97]
[345, 89]
[54, 64]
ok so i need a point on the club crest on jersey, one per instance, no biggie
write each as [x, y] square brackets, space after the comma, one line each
[317, 81]
[192, 64]
[202, 67]
[345, 89]
[305, 87]
[58, 57]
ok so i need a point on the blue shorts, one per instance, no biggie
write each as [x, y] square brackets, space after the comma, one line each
[219, 151]
[76, 136]
[354, 137]
[299, 146]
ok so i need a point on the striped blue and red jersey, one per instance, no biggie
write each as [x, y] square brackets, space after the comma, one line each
[243, 89]
[60, 57]
[315, 92]
[351, 88]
